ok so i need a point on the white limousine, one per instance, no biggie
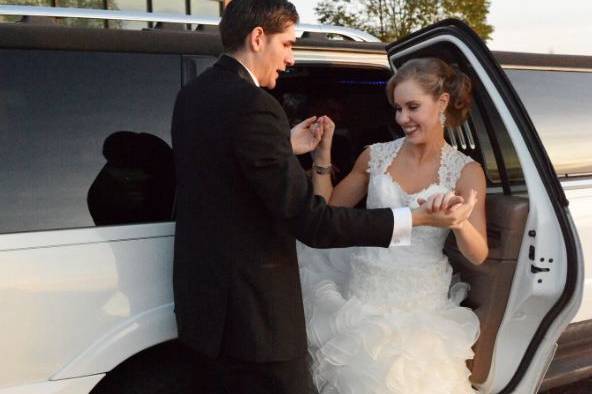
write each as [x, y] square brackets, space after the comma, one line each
[87, 192]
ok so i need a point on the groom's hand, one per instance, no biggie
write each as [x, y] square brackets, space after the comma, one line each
[442, 210]
[305, 136]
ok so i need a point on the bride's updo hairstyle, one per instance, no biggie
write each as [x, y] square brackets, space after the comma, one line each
[436, 77]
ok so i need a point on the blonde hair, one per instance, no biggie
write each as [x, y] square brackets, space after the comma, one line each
[436, 77]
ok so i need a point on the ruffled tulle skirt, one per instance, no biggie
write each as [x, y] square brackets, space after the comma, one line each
[362, 345]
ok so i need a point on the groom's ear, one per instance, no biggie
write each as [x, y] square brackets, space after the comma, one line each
[256, 39]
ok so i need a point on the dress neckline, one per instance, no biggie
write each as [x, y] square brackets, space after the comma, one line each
[438, 180]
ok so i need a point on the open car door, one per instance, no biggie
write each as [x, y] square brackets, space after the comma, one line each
[530, 286]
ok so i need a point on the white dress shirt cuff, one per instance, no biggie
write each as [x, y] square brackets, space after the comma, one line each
[402, 227]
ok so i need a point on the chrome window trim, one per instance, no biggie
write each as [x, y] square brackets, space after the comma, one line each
[315, 56]
[88, 13]
[573, 184]
[139, 16]
[354, 34]
[544, 68]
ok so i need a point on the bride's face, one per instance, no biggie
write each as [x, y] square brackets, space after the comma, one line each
[418, 112]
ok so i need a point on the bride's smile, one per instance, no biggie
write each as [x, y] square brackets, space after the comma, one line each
[418, 112]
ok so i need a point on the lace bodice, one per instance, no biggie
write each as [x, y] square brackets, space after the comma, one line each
[422, 266]
[382, 155]
[384, 191]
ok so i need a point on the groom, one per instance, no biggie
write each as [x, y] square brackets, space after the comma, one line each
[242, 200]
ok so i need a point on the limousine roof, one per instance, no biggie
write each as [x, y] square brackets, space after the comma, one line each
[56, 37]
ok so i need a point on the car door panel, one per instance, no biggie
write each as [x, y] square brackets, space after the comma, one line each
[545, 291]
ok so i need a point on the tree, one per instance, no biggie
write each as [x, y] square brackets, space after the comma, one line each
[72, 22]
[393, 19]
[45, 3]
[474, 12]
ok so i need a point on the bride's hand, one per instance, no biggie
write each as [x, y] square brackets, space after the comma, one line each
[448, 210]
[322, 154]
[462, 212]
[440, 202]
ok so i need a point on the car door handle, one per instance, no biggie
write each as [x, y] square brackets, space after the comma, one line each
[535, 270]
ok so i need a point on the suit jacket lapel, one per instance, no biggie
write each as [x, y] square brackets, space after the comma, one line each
[229, 63]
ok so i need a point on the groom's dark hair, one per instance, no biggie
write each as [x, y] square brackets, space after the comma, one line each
[242, 16]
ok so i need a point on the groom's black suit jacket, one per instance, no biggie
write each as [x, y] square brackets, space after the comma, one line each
[242, 199]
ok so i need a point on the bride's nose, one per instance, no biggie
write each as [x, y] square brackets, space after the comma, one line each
[402, 117]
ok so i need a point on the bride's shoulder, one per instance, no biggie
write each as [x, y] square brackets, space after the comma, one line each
[381, 154]
[459, 166]
[458, 158]
[381, 148]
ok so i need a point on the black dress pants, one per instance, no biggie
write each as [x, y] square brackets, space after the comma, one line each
[231, 376]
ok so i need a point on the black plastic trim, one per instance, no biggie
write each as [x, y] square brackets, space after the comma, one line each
[21, 36]
[27, 36]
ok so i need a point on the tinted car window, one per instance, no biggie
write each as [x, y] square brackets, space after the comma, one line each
[559, 105]
[85, 138]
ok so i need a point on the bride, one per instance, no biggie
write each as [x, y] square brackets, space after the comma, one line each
[388, 320]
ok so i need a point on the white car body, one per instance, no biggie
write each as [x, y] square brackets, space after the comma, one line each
[77, 303]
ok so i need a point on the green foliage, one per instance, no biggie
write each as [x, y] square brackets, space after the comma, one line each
[336, 13]
[45, 3]
[472, 11]
[72, 22]
[76, 22]
[393, 19]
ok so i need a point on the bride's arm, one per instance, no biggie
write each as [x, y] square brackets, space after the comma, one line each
[471, 235]
[353, 187]
[350, 191]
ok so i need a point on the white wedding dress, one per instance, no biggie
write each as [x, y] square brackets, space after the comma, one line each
[388, 320]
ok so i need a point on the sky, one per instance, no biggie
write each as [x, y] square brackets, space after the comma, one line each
[538, 26]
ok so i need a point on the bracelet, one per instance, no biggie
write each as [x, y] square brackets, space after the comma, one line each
[322, 169]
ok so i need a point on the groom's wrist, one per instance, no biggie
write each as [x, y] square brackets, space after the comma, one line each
[419, 217]
[402, 226]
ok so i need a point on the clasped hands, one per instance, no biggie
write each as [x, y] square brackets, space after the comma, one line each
[311, 133]
[444, 210]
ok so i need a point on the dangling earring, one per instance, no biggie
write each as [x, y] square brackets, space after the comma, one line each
[442, 119]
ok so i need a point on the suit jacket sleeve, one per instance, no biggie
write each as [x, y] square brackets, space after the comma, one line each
[264, 152]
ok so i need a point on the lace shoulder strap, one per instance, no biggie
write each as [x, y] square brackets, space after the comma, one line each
[451, 166]
[382, 154]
